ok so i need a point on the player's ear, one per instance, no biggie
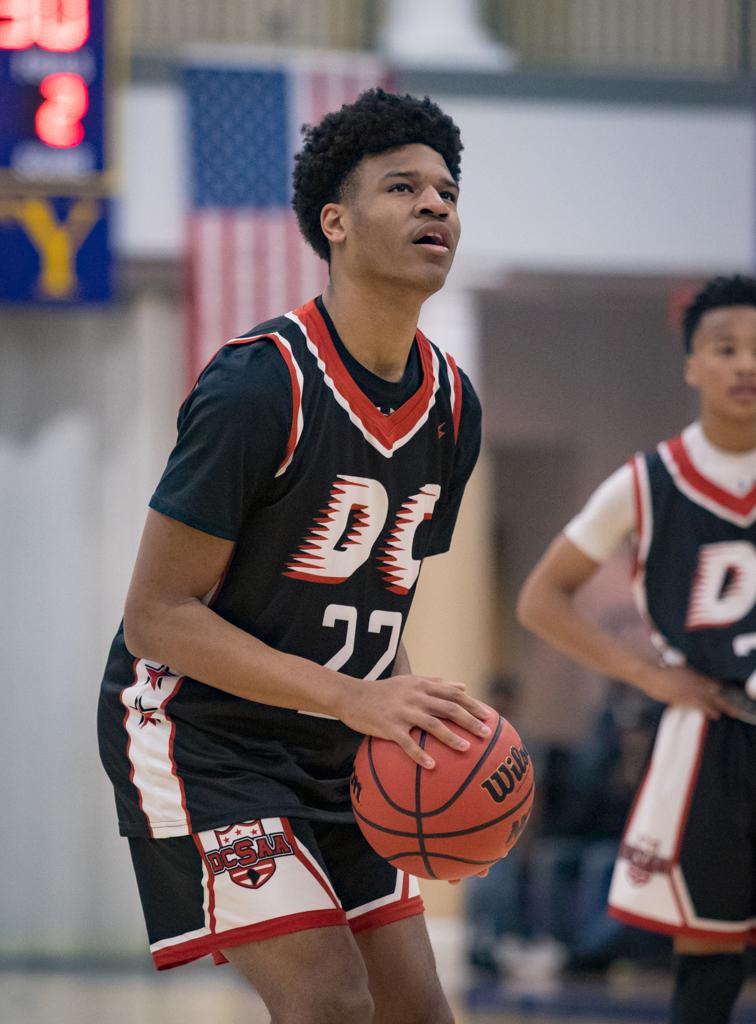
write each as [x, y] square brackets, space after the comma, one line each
[332, 222]
[691, 371]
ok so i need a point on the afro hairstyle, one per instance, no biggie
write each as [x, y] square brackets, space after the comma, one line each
[376, 122]
[737, 290]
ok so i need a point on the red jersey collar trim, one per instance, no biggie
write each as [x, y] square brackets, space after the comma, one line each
[742, 506]
[388, 430]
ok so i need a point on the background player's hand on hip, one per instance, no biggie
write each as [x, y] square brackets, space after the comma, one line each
[684, 686]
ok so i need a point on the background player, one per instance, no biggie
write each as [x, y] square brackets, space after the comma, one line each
[686, 864]
[319, 458]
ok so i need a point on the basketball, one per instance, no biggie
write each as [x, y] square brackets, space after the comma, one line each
[448, 821]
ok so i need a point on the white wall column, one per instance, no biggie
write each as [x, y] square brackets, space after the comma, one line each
[442, 34]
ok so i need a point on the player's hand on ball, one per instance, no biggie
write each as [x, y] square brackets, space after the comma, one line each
[391, 708]
[681, 685]
[478, 874]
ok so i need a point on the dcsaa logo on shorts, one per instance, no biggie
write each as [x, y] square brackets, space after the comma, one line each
[247, 853]
[643, 861]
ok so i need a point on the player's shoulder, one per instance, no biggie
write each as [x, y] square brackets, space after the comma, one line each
[252, 362]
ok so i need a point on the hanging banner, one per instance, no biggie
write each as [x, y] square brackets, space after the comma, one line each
[54, 249]
[54, 176]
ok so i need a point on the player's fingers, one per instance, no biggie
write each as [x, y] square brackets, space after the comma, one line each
[415, 752]
[457, 714]
[435, 727]
[443, 684]
[464, 700]
[709, 707]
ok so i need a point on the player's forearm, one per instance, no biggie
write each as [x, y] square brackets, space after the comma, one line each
[551, 613]
[194, 641]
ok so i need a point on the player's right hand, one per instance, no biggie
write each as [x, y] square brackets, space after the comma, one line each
[391, 708]
[683, 686]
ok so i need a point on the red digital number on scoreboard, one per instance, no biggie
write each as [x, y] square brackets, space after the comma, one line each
[58, 120]
[60, 26]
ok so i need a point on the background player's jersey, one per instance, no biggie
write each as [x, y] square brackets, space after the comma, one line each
[696, 572]
[332, 503]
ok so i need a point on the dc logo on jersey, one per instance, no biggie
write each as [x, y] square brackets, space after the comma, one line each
[643, 861]
[247, 853]
[345, 531]
[724, 585]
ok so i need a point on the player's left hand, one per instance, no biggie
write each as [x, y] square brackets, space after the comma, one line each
[478, 874]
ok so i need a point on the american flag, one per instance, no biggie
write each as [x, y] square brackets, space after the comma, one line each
[247, 260]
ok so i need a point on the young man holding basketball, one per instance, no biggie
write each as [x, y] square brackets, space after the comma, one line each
[319, 458]
[687, 863]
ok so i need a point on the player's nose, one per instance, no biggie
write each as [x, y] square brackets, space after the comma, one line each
[430, 201]
[746, 361]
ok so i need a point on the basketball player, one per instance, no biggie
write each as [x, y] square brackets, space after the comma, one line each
[320, 457]
[688, 858]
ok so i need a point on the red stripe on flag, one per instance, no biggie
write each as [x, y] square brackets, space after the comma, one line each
[228, 277]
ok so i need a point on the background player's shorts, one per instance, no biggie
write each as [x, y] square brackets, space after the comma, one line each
[272, 876]
[687, 861]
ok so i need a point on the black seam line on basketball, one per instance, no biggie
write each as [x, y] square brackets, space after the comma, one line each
[444, 856]
[419, 813]
[443, 835]
[408, 810]
[379, 784]
[473, 770]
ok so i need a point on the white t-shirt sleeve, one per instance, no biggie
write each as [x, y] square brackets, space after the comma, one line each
[607, 518]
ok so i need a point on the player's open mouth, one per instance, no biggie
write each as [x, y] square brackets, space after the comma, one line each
[433, 240]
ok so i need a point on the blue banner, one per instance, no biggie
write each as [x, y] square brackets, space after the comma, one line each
[54, 249]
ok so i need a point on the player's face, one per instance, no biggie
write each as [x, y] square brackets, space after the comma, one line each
[722, 363]
[400, 218]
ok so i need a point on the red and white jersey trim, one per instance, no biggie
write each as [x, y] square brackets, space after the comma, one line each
[406, 888]
[385, 433]
[704, 492]
[151, 733]
[644, 527]
[455, 390]
[297, 384]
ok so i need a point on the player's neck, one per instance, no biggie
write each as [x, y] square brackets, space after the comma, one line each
[728, 435]
[377, 330]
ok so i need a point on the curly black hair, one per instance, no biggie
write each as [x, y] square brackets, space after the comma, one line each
[738, 290]
[377, 121]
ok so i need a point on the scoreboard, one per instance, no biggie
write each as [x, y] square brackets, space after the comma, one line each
[54, 173]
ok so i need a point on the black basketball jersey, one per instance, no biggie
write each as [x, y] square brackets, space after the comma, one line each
[696, 569]
[332, 504]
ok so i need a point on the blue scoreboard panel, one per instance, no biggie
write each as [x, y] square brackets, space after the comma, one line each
[54, 174]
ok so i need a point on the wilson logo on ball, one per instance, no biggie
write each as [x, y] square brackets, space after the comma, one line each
[502, 782]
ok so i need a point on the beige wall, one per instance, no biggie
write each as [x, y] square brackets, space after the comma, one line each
[451, 628]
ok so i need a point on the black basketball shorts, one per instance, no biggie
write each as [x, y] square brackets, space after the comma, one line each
[687, 861]
[258, 879]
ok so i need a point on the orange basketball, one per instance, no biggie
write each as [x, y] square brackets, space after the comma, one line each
[449, 821]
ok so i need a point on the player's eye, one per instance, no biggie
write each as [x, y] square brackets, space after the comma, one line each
[400, 186]
[450, 197]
